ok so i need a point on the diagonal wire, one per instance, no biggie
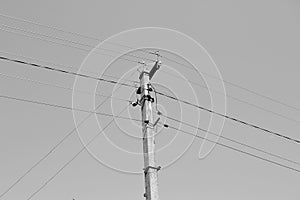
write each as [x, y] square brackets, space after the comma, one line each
[160, 93]
[232, 140]
[91, 47]
[96, 39]
[56, 145]
[232, 118]
[168, 126]
[233, 148]
[233, 97]
[74, 157]
[58, 86]
[63, 71]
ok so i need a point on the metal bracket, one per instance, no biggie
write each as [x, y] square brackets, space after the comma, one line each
[151, 167]
[146, 98]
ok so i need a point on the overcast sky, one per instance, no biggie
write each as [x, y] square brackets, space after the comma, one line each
[255, 44]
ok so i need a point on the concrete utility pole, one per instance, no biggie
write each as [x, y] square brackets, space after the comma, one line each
[146, 100]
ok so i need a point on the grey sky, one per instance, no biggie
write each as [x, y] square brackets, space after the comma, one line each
[254, 44]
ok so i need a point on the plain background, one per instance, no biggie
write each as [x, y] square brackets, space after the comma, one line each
[254, 43]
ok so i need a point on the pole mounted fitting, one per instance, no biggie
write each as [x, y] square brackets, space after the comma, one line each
[151, 167]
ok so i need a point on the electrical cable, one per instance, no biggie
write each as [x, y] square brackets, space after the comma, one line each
[164, 125]
[160, 93]
[233, 97]
[62, 71]
[231, 140]
[234, 149]
[56, 145]
[59, 86]
[91, 47]
[73, 158]
[232, 118]
[96, 39]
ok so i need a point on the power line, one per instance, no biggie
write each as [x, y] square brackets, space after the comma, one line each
[96, 39]
[160, 93]
[65, 66]
[64, 107]
[56, 145]
[231, 140]
[236, 85]
[47, 36]
[237, 99]
[58, 86]
[76, 47]
[64, 31]
[47, 26]
[165, 125]
[73, 158]
[234, 149]
[231, 118]
[233, 84]
[60, 142]
[127, 118]
[63, 71]
[233, 97]
[194, 83]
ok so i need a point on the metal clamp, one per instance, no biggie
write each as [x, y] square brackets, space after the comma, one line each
[151, 167]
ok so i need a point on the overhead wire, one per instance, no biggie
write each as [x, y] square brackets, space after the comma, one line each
[251, 104]
[64, 107]
[63, 71]
[231, 118]
[58, 86]
[47, 26]
[234, 149]
[235, 85]
[202, 86]
[246, 89]
[233, 97]
[57, 144]
[163, 124]
[231, 140]
[66, 66]
[91, 47]
[160, 93]
[64, 31]
[74, 157]
[96, 39]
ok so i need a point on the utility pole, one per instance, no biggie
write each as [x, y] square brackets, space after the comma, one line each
[148, 131]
